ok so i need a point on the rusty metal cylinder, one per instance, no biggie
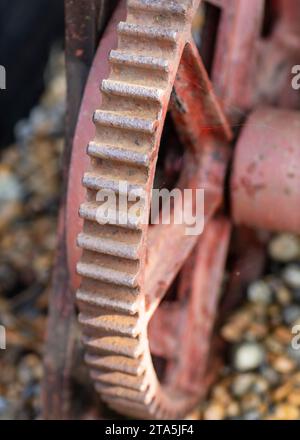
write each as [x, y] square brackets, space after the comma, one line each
[265, 182]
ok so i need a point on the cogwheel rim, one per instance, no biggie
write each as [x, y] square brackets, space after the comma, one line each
[128, 130]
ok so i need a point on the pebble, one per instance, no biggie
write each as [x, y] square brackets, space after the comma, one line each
[291, 314]
[294, 398]
[242, 383]
[291, 275]
[214, 411]
[194, 415]
[3, 404]
[221, 394]
[252, 415]
[270, 375]
[282, 392]
[294, 354]
[256, 331]
[284, 365]
[273, 345]
[250, 402]
[274, 314]
[10, 188]
[236, 327]
[282, 335]
[260, 385]
[259, 292]
[283, 295]
[233, 410]
[296, 295]
[248, 356]
[231, 333]
[286, 411]
[284, 248]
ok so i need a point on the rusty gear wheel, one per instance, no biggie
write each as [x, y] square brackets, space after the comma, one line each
[127, 268]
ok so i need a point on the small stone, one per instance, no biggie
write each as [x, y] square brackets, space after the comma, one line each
[256, 331]
[10, 188]
[274, 313]
[250, 402]
[194, 415]
[242, 384]
[273, 345]
[270, 375]
[284, 365]
[248, 356]
[221, 395]
[260, 385]
[259, 292]
[283, 295]
[282, 392]
[3, 404]
[294, 354]
[284, 248]
[296, 379]
[296, 295]
[294, 397]
[283, 335]
[233, 331]
[214, 411]
[286, 411]
[30, 369]
[291, 314]
[291, 276]
[252, 415]
[233, 410]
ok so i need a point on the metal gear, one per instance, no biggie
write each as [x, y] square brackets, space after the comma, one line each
[126, 269]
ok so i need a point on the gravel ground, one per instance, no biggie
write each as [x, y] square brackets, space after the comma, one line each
[261, 376]
[29, 194]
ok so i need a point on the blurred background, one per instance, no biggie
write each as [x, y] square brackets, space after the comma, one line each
[260, 378]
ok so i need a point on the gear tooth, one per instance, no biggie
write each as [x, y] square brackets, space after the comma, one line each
[116, 363]
[142, 61]
[126, 155]
[160, 6]
[108, 275]
[91, 211]
[121, 88]
[107, 246]
[130, 395]
[95, 182]
[118, 120]
[110, 299]
[119, 345]
[132, 409]
[119, 324]
[148, 32]
[138, 383]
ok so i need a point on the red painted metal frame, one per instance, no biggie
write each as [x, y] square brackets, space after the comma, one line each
[260, 197]
[206, 159]
[265, 187]
[204, 130]
[234, 63]
[277, 53]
